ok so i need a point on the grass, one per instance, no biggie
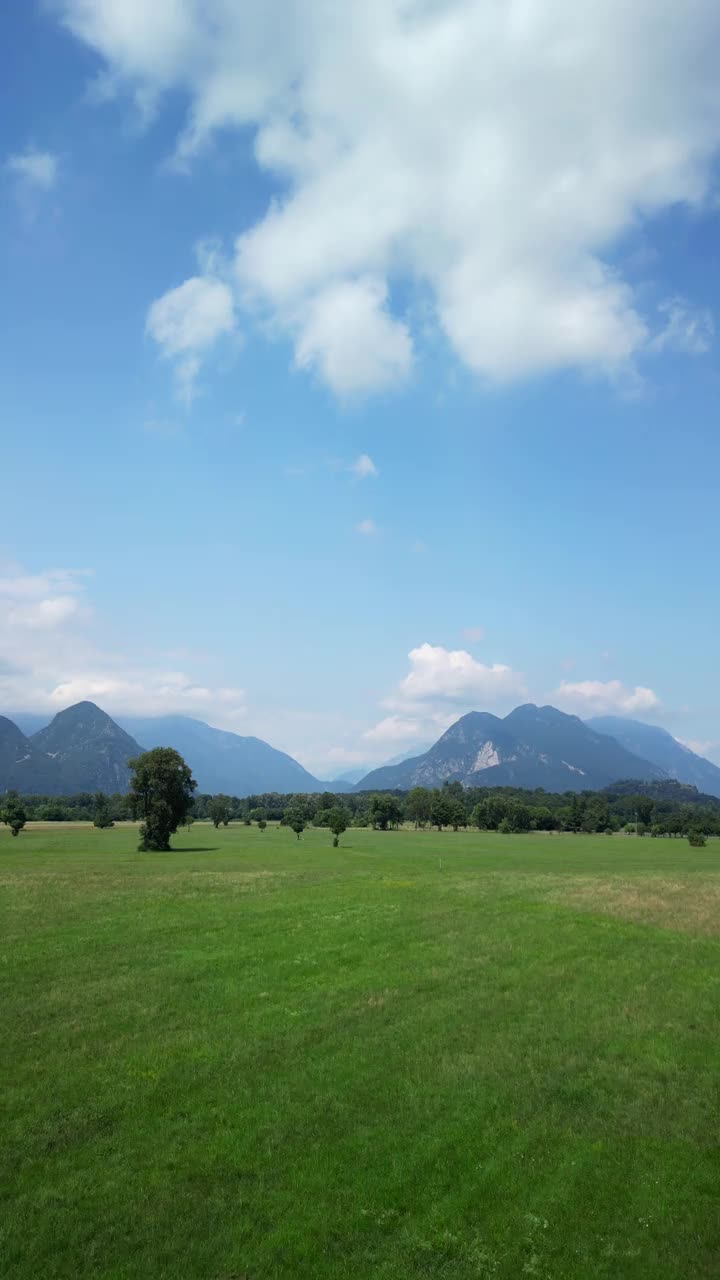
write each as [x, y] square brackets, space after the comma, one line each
[418, 1055]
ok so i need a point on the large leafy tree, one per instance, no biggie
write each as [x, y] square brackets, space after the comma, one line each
[161, 793]
[14, 815]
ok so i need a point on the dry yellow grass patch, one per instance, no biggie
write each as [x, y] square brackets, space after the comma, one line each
[690, 904]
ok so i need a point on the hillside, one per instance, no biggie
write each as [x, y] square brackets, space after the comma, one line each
[531, 747]
[223, 761]
[659, 746]
[89, 750]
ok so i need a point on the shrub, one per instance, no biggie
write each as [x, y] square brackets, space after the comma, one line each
[697, 840]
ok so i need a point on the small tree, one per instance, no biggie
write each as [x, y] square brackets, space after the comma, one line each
[161, 792]
[261, 824]
[257, 815]
[219, 810]
[102, 817]
[697, 839]
[14, 816]
[338, 821]
[295, 819]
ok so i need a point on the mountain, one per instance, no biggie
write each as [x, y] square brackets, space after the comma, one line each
[662, 749]
[531, 747]
[223, 761]
[29, 722]
[89, 750]
[22, 766]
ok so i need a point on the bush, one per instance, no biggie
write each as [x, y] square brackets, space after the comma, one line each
[697, 840]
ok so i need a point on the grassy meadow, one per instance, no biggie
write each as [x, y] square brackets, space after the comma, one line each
[457, 1055]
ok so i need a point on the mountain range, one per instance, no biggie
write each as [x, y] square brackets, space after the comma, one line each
[530, 747]
[83, 749]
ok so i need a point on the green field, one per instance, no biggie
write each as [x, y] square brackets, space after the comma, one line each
[420, 1054]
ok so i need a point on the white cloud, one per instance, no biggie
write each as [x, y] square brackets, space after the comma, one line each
[146, 693]
[473, 635]
[454, 675]
[393, 729]
[441, 685]
[40, 601]
[688, 329]
[47, 613]
[596, 697]
[366, 527]
[363, 466]
[37, 170]
[491, 155]
[346, 333]
[48, 658]
[185, 322]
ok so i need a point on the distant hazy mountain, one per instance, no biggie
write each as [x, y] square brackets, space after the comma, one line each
[89, 749]
[662, 749]
[222, 761]
[353, 776]
[350, 776]
[23, 767]
[530, 747]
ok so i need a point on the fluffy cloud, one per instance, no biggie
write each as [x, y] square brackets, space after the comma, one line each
[40, 601]
[441, 685]
[347, 335]
[185, 322]
[37, 170]
[490, 155]
[453, 675]
[597, 697]
[393, 729]
[363, 467]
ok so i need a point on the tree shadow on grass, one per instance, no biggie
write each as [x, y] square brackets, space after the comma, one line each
[195, 848]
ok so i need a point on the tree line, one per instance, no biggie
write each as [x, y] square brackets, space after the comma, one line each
[658, 809]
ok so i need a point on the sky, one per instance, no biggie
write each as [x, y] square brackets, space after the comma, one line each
[360, 364]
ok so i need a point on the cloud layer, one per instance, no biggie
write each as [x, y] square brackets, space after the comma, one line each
[481, 158]
[48, 659]
[37, 170]
[598, 697]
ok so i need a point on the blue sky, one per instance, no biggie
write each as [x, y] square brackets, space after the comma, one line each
[360, 364]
